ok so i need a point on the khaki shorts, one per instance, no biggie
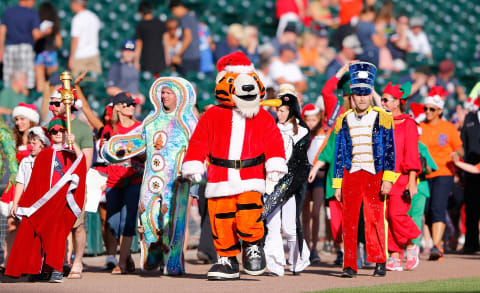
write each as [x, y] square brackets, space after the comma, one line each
[80, 220]
[90, 64]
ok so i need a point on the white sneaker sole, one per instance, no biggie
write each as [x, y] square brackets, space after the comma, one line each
[397, 269]
[416, 265]
[222, 276]
[254, 273]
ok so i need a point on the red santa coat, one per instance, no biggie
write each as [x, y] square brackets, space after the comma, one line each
[225, 133]
[49, 206]
[407, 157]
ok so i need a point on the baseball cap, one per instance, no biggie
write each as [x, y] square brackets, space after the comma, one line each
[416, 22]
[236, 30]
[288, 46]
[352, 42]
[128, 45]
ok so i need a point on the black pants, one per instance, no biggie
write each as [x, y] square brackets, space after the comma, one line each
[472, 211]
[206, 239]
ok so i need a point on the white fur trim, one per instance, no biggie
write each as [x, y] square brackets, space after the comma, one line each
[240, 68]
[28, 113]
[38, 131]
[312, 112]
[276, 164]
[435, 100]
[420, 118]
[236, 144]
[231, 187]
[192, 167]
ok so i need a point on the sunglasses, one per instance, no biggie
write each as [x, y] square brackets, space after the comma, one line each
[56, 104]
[125, 105]
[385, 100]
[54, 132]
[427, 109]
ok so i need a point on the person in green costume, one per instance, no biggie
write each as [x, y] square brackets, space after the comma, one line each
[417, 207]
[7, 150]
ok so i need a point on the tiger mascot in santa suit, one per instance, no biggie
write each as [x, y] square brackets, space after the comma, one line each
[243, 145]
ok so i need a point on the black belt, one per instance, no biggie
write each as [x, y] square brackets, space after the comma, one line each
[237, 164]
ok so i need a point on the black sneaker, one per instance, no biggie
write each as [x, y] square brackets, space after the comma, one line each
[42, 277]
[380, 270]
[314, 258]
[339, 260]
[435, 253]
[253, 258]
[226, 268]
[56, 277]
[66, 269]
[348, 273]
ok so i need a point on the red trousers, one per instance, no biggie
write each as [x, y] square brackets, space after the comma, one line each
[363, 187]
[235, 217]
[401, 227]
[336, 219]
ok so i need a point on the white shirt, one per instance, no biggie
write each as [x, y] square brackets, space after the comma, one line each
[289, 71]
[85, 26]
[361, 135]
[419, 43]
[25, 171]
[315, 145]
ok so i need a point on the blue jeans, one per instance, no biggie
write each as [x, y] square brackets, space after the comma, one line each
[122, 207]
[437, 203]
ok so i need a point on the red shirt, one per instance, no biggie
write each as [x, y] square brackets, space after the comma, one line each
[349, 9]
[127, 172]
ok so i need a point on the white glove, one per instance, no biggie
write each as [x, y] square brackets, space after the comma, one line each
[196, 177]
[274, 176]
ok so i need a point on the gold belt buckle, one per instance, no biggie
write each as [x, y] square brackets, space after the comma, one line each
[238, 164]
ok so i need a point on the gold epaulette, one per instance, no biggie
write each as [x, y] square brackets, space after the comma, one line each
[385, 119]
[339, 121]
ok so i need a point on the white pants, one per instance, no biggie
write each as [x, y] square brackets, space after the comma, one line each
[284, 219]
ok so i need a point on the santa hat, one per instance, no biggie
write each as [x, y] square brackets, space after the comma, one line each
[436, 97]
[236, 62]
[417, 112]
[399, 92]
[28, 111]
[472, 104]
[40, 132]
[310, 109]
[57, 123]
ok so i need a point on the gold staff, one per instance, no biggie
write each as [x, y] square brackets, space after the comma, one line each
[67, 99]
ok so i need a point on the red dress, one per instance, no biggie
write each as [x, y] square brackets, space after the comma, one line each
[401, 227]
[49, 207]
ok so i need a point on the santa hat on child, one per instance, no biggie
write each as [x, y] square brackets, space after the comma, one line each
[436, 96]
[41, 133]
[236, 62]
[310, 109]
[28, 111]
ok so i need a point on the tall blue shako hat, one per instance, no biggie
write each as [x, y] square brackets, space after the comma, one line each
[362, 77]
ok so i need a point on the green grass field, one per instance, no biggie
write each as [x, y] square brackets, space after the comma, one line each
[449, 285]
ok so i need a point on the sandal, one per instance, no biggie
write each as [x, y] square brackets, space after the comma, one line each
[74, 275]
[130, 264]
[119, 271]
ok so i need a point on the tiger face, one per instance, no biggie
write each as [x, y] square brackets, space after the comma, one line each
[241, 90]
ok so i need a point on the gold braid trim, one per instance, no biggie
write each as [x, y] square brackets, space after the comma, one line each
[385, 119]
[339, 122]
